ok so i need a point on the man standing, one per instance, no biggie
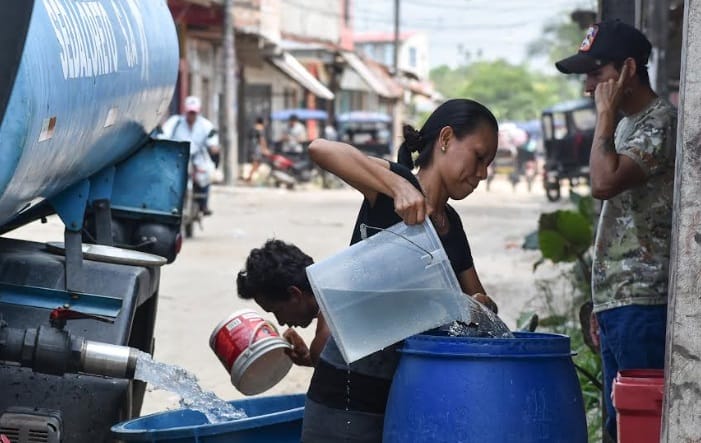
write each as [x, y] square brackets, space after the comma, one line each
[204, 143]
[632, 170]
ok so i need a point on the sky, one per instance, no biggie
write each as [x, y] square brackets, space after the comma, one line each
[493, 28]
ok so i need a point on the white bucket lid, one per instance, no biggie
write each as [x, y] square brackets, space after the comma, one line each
[261, 366]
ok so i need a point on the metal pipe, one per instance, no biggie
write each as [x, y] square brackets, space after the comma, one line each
[54, 351]
[107, 359]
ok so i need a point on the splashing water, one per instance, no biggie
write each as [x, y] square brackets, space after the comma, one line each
[184, 383]
[476, 320]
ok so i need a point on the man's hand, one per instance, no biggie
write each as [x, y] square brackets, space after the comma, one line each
[594, 331]
[608, 94]
[299, 354]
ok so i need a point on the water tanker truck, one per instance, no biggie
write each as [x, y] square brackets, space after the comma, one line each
[82, 85]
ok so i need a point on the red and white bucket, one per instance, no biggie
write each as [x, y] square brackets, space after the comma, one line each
[251, 349]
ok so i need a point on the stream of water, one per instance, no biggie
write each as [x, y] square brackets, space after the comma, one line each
[183, 383]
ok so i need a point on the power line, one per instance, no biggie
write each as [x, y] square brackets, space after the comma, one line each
[426, 24]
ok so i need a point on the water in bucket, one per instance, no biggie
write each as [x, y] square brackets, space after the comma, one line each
[390, 286]
[183, 383]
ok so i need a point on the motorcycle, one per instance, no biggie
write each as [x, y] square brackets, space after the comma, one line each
[288, 171]
[200, 170]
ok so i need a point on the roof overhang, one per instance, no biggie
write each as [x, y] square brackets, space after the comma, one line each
[366, 74]
[288, 64]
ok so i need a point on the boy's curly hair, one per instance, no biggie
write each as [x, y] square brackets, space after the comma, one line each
[271, 269]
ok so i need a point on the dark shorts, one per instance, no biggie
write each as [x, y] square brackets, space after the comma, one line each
[323, 424]
[256, 154]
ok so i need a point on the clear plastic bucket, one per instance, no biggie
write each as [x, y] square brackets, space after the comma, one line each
[388, 287]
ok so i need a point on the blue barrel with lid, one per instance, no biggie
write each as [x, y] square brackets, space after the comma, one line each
[487, 390]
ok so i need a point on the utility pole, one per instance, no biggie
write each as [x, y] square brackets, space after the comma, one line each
[398, 111]
[396, 37]
[683, 350]
[229, 104]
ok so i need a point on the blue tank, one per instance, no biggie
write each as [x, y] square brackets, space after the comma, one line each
[81, 86]
[487, 390]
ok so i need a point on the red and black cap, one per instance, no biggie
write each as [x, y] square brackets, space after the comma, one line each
[605, 42]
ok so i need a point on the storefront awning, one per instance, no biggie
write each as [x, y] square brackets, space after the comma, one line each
[293, 68]
[366, 74]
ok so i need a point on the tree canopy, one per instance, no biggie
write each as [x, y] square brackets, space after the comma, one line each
[516, 92]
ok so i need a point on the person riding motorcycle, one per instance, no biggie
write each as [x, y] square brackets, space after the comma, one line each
[204, 142]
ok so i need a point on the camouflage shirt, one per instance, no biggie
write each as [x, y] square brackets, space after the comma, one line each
[631, 251]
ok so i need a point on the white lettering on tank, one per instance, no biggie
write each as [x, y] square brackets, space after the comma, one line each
[143, 41]
[128, 34]
[85, 37]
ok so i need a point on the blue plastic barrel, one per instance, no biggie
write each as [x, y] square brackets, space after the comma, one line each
[270, 419]
[486, 390]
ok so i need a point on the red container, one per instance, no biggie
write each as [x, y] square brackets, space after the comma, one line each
[637, 397]
[251, 350]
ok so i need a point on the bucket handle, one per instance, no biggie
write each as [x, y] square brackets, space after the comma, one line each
[364, 235]
[257, 329]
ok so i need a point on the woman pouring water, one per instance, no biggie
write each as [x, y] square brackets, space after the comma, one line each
[452, 151]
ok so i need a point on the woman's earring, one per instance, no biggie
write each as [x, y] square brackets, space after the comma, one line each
[443, 148]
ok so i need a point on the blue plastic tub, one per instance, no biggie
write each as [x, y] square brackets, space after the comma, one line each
[487, 390]
[275, 419]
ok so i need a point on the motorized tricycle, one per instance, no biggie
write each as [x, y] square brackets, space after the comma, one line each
[568, 132]
[371, 132]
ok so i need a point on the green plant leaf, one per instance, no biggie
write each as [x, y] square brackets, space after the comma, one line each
[586, 207]
[553, 320]
[576, 229]
[553, 246]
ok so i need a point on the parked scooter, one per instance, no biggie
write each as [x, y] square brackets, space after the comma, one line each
[288, 171]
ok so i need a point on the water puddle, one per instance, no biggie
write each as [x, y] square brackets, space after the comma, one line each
[183, 383]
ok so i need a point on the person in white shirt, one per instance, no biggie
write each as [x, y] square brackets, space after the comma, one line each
[295, 135]
[204, 143]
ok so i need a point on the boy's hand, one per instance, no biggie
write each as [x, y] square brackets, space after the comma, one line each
[299, 353]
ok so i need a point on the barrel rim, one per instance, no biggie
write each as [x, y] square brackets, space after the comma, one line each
[523, 345]
[205, 429]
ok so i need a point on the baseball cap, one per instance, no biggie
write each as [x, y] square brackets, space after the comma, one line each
[605, 42]
[192, 104]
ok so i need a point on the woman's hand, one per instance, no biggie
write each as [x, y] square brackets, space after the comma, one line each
[409, 203]
[299, 353]
[486, 301]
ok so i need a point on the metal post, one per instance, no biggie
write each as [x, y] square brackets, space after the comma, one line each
[396, 37]
[681, 421]
[398, 111]
[229, 108]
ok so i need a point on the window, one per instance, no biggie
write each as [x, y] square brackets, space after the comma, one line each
[412, 57]
[584, 119]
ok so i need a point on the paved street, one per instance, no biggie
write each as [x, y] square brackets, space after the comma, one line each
[198, 291]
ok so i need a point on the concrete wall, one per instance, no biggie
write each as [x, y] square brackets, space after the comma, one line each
[312, 19]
